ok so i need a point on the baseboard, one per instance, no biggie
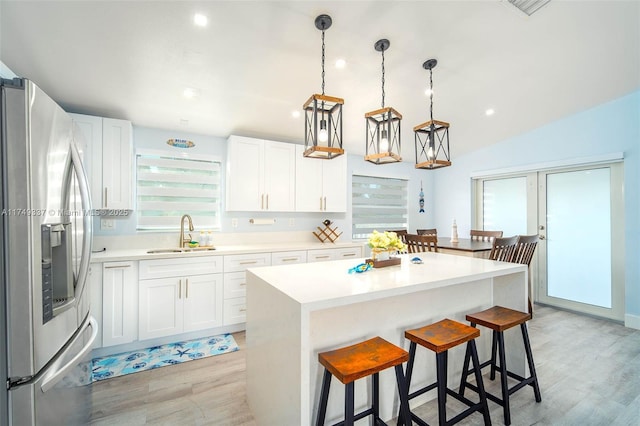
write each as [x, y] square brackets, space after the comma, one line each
[632, 321]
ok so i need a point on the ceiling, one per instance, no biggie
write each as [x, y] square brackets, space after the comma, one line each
[257, 61]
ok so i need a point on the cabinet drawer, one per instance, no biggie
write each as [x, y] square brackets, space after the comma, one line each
[235, 284]
[241, 262]
[288, 257]
[322, 255]
[235, 310]
[180, 266]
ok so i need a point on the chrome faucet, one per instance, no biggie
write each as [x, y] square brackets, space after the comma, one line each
[184, 241]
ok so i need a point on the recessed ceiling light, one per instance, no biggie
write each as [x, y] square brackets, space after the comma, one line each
[200, 20]
[490, 111]
[295, 114]
[341, 63]
[191, 93]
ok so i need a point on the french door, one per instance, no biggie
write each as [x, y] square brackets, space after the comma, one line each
[578, 214]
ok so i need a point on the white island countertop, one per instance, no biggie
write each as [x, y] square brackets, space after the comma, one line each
[296, 311]
[322, 285]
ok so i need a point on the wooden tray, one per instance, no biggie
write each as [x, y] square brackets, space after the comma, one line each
[383, 263]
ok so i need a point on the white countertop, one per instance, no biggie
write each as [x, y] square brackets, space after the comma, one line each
[141, 254]
[327, 284]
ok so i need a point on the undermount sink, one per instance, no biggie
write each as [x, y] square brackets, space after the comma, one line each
[179, 250]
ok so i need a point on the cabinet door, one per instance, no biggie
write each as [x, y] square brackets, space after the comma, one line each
[288, 257]
[89, 139]
[245, 166]
[203, 300]
[308, 182]
[235, 310]
[334, 184]
[117, 155]
[95, 285]
[161, 307]
[120, 303]
[279, 176]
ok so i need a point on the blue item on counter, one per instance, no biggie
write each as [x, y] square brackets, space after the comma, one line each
[363, 267]
[416, 260]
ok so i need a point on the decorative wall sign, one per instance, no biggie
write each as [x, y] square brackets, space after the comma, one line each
[421, 199]
[180, 143]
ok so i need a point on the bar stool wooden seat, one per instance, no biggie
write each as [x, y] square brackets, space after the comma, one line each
[500, 319]
[440, 337]
[354, 362]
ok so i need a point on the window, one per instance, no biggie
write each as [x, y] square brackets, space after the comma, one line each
[378, 203]
[170, 186]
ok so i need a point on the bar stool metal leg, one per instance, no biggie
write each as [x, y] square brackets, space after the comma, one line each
[471, 347]
[503, 378]
[348, 404]
[532, 368]
[441, 377]
[324, 397]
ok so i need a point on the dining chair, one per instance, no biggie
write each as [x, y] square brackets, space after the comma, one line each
[479, 235]
[421, 243]
[524, 254]
[504, 249]
[432, 231]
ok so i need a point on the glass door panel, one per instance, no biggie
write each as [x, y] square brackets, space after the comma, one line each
[504, 205]
[578, 236]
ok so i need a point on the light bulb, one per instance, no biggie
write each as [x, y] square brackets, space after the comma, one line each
[384, 141]
[323, 135]
[431, 154]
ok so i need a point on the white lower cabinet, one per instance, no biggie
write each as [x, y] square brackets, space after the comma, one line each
[188, 298]
[323, 255]
[119, 303]
[95, 286]
[235, 282]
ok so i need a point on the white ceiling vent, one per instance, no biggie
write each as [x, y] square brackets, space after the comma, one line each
[528, 7]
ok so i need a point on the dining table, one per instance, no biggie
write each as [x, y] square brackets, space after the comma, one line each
[465, 247]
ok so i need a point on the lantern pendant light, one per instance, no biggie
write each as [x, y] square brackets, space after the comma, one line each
[323, 115]
[432, 137]
[383, 126]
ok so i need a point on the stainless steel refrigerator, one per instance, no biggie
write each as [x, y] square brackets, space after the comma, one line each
[46, 328]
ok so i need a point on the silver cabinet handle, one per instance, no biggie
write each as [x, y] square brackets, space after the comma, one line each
[243, 310]
[251, 262]
[262, 202]
[117, 267]
[325, 203]
[322, 257]
[243, 284]
[348, 254]
[289, 259]
[320, 203]
[267, 202]
[187, 290]
[179, 289]
[105, 197]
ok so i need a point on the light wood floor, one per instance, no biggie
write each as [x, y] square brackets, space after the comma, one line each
[588, 369]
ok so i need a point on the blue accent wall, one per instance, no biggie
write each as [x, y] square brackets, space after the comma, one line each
[608, 128]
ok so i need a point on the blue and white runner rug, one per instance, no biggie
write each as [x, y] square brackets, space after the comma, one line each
[161, 356]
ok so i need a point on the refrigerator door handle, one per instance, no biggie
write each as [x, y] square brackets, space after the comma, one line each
[87, 218]
[51, 380]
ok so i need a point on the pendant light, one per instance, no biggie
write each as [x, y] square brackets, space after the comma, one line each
[383, 126]
[432, 137]
[323, 115]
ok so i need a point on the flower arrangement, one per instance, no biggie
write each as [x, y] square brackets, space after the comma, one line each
[389, 241]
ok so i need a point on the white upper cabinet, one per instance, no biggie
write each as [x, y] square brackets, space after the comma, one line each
[321, 185]
[107, 147]
[260, 175]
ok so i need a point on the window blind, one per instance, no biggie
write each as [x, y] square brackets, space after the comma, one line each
[169, 187]
[377, 203]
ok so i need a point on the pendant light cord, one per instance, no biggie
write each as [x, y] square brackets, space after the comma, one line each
[431, 94]
[323, 61]
[382, 78]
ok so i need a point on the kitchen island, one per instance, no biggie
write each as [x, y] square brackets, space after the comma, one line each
[296, 311]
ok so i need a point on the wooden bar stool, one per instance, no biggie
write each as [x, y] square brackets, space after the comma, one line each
[354, 362]
[440, 337]
[500, 319]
